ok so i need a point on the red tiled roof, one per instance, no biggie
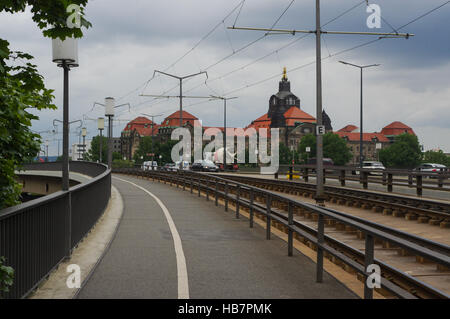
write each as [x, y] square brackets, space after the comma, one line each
[349, 128]
[143, 126]
[397, 128]
[174, 119]
[293, 115]
[367, 137]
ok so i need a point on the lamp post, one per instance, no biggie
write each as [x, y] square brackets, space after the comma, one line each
[101, 127]
[361, 67]
[65, 55]
[109, 113]
[46, 150]
[84, 133]
[224, 99]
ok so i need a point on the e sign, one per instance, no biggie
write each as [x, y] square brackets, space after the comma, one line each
[320, 129]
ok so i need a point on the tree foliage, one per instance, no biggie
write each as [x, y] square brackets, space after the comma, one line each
[22, 89]
[145, 148]
[405, 152]
[286, 155]
[6, 276]
[93, 154]
[334, 147]
[438, 157]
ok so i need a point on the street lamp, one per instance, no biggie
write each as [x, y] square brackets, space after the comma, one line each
[84, 133]
[361, 67]
[101, 127]
[65, 55]
[46, 149]
[109, 113]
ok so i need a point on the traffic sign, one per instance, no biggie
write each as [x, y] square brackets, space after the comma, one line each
[320, 129]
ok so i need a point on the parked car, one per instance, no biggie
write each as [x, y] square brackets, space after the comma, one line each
[169, 167]
[376, 168]
[230, 167]
[185, 165]
[149, 166]
[326, 162]
[431, 168]
[204, 166]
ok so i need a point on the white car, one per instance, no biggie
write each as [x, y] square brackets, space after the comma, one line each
[376, 168]
[432, 168]
[149, 166]
[185, 165]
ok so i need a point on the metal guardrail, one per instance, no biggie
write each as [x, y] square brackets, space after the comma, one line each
[388, 177]
[36, 236]
[244, 195]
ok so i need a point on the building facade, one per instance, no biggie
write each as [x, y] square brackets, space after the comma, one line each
[373, 143]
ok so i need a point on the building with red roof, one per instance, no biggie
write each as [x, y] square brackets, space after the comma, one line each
[285, 113]
[132, 134]
[396, 128]
[372, 142]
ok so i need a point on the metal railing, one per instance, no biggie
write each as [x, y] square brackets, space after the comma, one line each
[36, 236]
[438, 180]
[245, 196]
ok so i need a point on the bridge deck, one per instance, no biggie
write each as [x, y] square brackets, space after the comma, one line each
[223, 257]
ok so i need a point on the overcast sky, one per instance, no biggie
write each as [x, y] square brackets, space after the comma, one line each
[131, 39]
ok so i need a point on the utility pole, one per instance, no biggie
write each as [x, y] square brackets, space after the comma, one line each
[320, 198]
[153, 122]
[224, 99]
[361, 67]
[179, 78]
[68, 125]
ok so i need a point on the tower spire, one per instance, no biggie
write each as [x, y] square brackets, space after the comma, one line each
[284, 74]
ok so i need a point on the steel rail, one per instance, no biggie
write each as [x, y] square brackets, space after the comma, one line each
[202, 182]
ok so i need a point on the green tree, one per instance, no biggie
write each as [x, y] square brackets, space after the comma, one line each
[93, 154]
[145, 147]
[334, 147]
[438, 157]
[405, 152]
[116, 156]
[308, 140]
[286, 155]
[22, 89]
[6, 276]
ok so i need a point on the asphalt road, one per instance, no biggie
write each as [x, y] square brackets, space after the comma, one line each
[224, 257]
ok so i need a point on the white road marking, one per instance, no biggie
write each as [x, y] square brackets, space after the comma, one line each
[183, 285]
